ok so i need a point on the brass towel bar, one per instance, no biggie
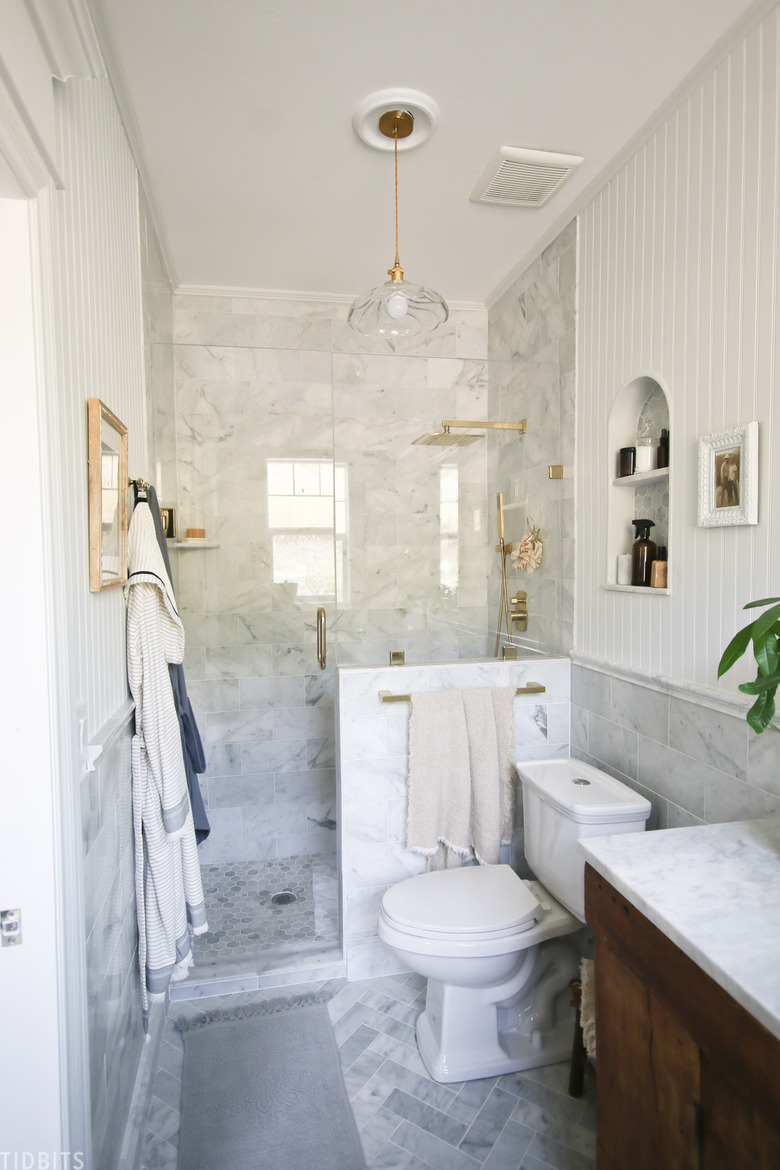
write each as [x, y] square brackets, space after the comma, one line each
[530, 689]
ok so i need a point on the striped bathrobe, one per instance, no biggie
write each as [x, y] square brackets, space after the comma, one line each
[169, 893]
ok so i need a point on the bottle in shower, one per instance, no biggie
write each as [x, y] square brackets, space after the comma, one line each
[643, 552]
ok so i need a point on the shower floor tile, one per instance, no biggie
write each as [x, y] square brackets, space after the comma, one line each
[406, 1120]
[244, 922]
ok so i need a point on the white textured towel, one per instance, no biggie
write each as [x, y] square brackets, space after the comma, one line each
[439, 814]
[460, 787]
[490, 724]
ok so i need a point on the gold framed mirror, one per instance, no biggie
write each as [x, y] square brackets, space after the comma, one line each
[107, 455]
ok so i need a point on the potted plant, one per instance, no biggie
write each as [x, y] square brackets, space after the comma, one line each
[764, 633]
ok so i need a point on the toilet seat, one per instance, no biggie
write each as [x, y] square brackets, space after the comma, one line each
[462, 906]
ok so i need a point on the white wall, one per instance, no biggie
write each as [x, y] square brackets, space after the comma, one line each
[678, 273]
[29, 1055]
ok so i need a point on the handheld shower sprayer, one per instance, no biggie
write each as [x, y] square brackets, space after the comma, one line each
[504, 550]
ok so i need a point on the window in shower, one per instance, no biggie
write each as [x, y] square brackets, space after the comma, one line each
[307, 522]
[448, 532]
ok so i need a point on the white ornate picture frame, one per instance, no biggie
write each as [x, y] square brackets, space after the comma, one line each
[728, 477]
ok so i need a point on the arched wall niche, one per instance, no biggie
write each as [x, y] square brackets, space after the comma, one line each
[640, 409]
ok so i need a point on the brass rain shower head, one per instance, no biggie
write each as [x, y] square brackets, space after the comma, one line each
[444, 438]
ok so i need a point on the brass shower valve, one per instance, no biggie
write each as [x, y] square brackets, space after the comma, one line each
[519, 613]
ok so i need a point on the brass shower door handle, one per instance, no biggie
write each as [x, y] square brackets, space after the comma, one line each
[322, 640]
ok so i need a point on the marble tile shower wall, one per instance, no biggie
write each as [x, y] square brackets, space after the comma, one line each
[374, 769]
[696, 763]
[261, 379]
[531, 334]
[114, 1008]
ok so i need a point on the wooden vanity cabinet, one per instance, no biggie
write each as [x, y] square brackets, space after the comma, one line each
[687, 1078]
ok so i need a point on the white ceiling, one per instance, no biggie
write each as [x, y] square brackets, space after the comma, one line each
[245, 108]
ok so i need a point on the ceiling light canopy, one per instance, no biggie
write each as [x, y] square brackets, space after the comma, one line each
[396, 309]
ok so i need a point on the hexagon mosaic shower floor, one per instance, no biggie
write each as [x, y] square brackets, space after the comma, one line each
[243, 921]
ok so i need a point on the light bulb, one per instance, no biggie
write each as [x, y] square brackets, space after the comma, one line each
[397, 306]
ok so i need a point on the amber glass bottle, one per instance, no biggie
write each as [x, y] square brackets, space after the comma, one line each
[643, 552]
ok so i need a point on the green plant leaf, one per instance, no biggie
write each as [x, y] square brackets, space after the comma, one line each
[764, 682]
[735, 649]
[765, 652]
[762, 625]
[761, 713]
[766, 601]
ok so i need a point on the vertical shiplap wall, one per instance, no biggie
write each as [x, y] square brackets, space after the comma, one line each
[678, 278]
[97, 286]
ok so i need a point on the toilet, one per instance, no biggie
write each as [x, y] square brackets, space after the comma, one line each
[498, 952]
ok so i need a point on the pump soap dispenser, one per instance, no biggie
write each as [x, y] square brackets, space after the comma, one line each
[643, 552]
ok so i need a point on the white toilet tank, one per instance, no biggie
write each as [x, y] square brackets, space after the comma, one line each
[562, 801]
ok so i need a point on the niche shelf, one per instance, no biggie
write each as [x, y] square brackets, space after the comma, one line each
[641, 406]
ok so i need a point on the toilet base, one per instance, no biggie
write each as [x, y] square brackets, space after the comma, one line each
[467, 1033]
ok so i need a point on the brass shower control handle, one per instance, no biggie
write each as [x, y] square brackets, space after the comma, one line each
[519, 613]
[322, 640]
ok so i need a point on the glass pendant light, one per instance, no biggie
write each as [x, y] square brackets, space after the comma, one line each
[398, 309]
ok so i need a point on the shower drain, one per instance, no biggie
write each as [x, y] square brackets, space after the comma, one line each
[284, 898]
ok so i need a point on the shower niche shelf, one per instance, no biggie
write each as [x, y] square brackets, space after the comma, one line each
[189, 545]
[641, 407]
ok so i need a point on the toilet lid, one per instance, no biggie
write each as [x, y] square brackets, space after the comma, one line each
[477, 899]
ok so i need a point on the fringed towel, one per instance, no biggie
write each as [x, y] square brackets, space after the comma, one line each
[460, 785]
[490, 726]
[439, 815]
[169, 892]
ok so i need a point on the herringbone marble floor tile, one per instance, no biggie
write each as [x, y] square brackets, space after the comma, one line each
[406, 1120]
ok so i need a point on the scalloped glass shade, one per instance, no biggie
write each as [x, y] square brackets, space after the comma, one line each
[398, 309]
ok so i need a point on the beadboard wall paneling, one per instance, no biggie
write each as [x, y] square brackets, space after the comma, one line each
[678, 275]
[92, 282]
[97, 284]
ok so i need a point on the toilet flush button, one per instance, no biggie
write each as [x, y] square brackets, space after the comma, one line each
[537, 1039]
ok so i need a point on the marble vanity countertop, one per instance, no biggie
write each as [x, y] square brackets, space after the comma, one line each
[714, 890]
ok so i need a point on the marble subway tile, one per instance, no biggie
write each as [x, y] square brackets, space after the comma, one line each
[223, 759]
[273, 756]
[212, 630]
[730, 799]
[612, 744]
[763, 763]
[361, 908]
[363, 737]
[304, 786]
[674, 776]
[364, 821]
[369, 865]
[716, 739]
[591, 689]
[300, 722]
[240, 791]
[238, 662]
[238, 726]
[321, 752]
[213, 695]
[263, 694]
[641, 709]
[301, 844]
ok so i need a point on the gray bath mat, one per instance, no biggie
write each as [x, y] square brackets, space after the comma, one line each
[262, 1090]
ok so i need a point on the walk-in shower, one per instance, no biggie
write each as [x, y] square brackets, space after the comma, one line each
[301, 467]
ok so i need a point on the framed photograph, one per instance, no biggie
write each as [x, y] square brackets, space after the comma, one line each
[728, 477]
[107, 454]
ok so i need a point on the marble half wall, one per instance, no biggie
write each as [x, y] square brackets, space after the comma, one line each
[373, 763]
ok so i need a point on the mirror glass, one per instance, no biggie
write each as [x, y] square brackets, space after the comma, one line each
[107, 498]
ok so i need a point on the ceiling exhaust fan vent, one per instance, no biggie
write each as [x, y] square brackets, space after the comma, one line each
[518, 177]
